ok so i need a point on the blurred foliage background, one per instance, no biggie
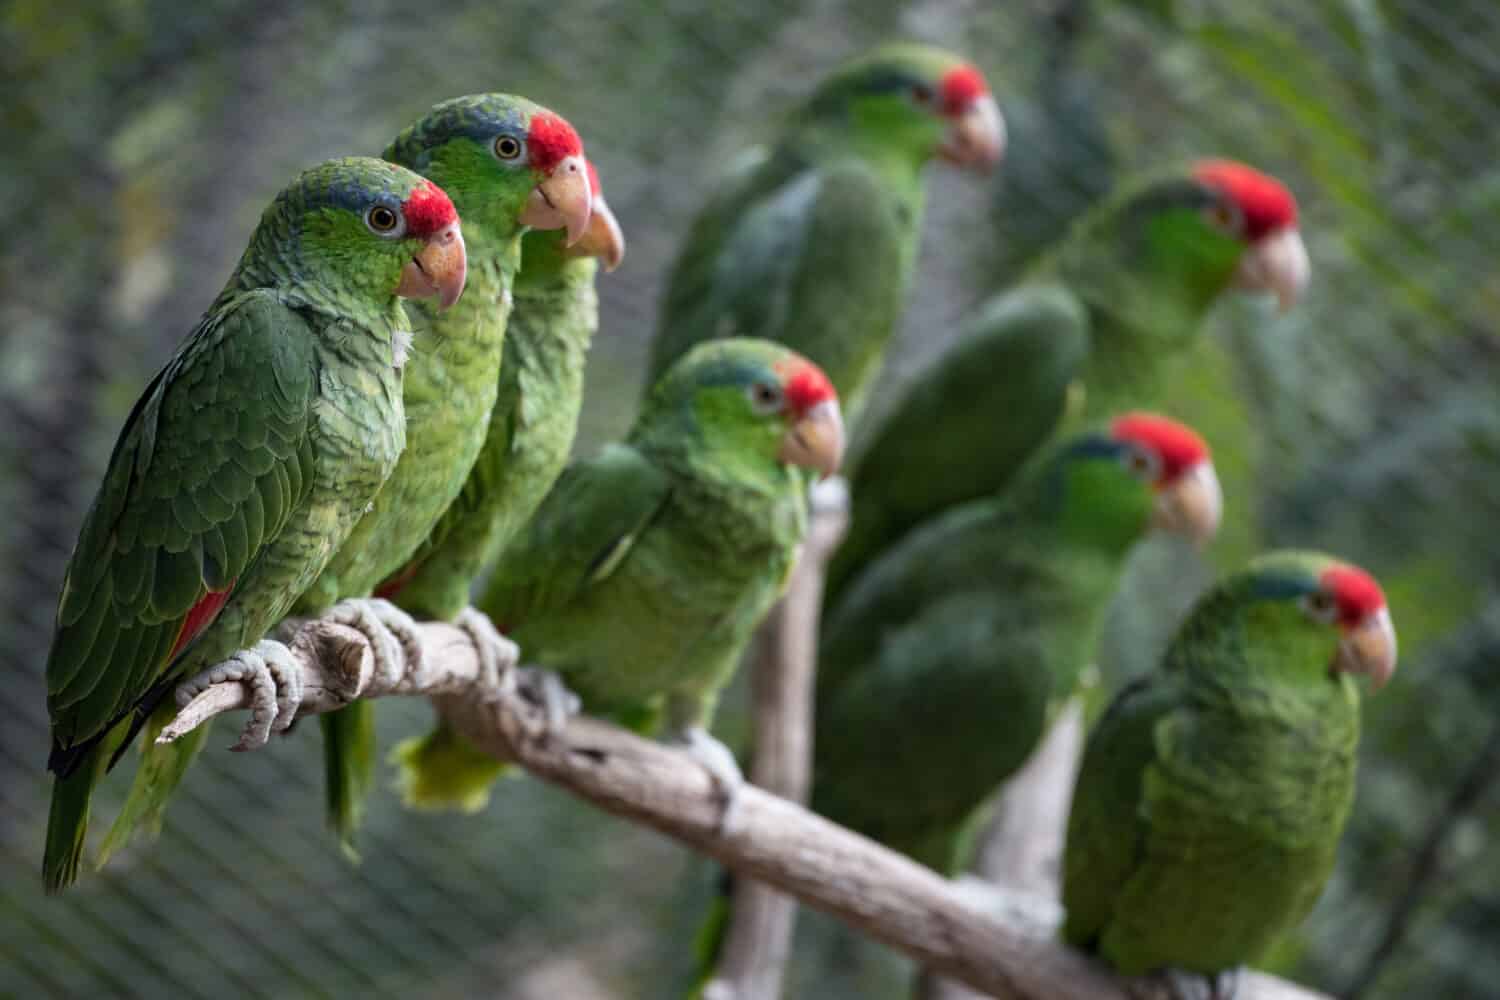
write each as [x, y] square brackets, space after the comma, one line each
[143, 137]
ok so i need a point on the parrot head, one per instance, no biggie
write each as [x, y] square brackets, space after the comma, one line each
[364, 231]
[1141, 473]
[1168, 245]
[1314, 617]
[914, 99]
[506, 162]
[1257, 211]
[751, 402]
[544, 252]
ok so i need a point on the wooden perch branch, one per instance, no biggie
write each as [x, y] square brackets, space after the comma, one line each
[758, 940]
[997, 950]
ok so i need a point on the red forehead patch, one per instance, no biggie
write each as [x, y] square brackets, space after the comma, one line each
[805, 384]
[1264, 201]
[428, 210]
[551, 140]
[1357, 593]
[593, 179]
[962, 86]
[1177, 445]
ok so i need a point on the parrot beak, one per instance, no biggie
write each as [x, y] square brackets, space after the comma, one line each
[440, 268]
[977, 136]
[562, 200]
[816, 439]
[1277, 263]
[1369, 648]
[1191, 505]
[603, 238]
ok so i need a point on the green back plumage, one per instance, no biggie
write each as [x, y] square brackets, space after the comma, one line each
[953, 644]
[1092, 331]
[449, 389]
[243, 464]
[811, 242]
[1212, 794]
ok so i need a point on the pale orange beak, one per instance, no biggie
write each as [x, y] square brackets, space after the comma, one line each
[603, 238]
[1191, 505]
[816, 439]
[440, 268]
[562, 200]
[1276, 263]
[1369, 648]
[976, 139]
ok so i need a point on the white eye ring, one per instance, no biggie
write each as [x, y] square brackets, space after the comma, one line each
[1320, 607]
[386, 222]
[508, 148]
[765, 397]
[1142, 464]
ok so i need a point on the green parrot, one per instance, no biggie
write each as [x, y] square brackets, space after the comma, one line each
[1090, 333]
[987, 613]
[811, 241]
[1212, 793]
[531, 430]
[241, 468]
[644, 571]
[508, 164]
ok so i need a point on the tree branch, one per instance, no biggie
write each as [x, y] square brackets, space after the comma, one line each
[758, 941]
[875, 890]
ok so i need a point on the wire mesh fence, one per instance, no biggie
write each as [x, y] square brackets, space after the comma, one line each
[144, 138]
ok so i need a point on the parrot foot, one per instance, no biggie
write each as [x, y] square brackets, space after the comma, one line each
[718, 760]
[1179, 984]
[545, 688]
[275, 689]
[497, 654]
[391, 632]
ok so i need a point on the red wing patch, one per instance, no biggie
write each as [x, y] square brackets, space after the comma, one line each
[393, 584]
[199, 616]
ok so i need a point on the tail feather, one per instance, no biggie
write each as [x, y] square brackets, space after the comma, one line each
[161, 770]
[444, 771]
[68, 815]
[348, 766]
[708, 943]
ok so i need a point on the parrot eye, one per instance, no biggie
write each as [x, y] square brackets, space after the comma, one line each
[508, 147]
[1142, 464]
[384, 221]
[765, 397]
[921, 93]
[1321, 607]
[1224, 217]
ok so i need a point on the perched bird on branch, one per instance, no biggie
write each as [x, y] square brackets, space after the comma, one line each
[811, 241]
[644, 571]
[1212, 793]
[239, 472]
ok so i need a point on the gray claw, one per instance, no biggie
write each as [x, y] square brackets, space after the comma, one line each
[497, 654]
[275, 682]
[718, 760]
[391, 632]
[1180, 984]
[545, 688]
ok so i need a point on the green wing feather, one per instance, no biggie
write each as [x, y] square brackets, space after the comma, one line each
[204, 474]
[947, 441]
[580, 534]
[815, 256]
